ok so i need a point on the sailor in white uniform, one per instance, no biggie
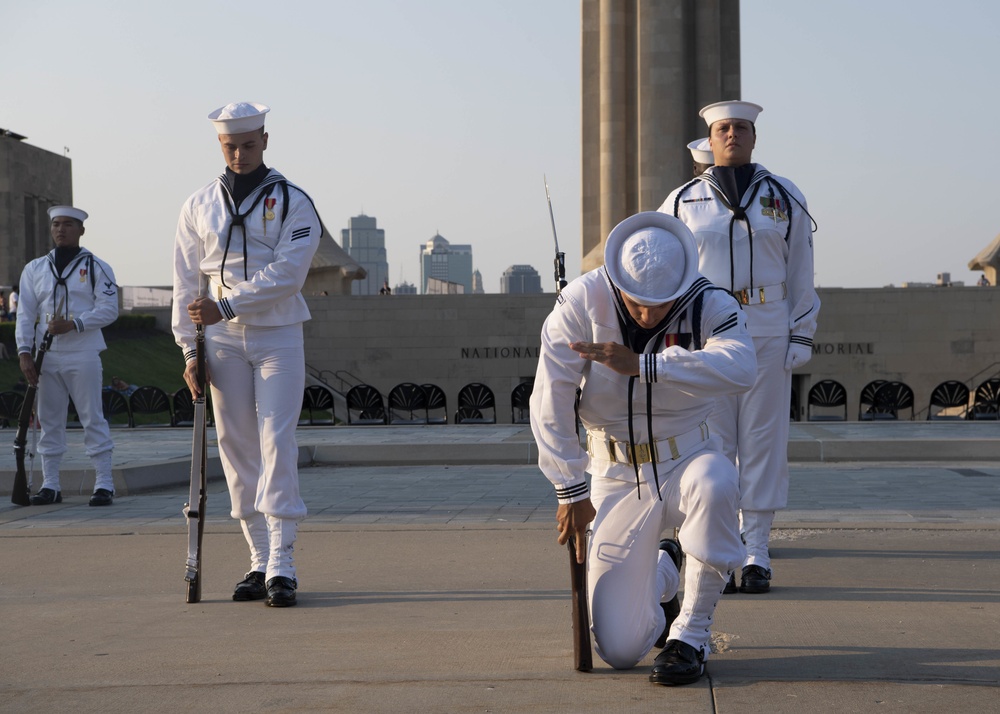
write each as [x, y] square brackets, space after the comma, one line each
[651, 344]
[242, 251]
[701, 156]
[754, 237]
[70, 294]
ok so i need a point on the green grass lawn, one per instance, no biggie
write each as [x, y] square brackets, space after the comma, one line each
[141, 358]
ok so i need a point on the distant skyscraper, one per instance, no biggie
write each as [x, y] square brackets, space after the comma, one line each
[366, 244]
[477, 283]
[444, 261]
[437, 286]
[405, 288]
[520, 280]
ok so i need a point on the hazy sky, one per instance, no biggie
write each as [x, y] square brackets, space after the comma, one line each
[443, 116]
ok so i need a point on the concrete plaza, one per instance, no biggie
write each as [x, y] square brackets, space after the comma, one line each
[430, 581]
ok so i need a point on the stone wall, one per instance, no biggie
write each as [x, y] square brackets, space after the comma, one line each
[31, 180]
[448, 340]
[921, 336]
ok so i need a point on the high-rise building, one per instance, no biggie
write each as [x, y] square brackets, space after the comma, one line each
[647, 68]
[31, 181]
[477, 283]
[405, 288]
[444, 261]
[520, 280]
[364, 242]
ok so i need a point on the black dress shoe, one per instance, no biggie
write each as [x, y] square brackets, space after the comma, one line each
[672, 608]
[755, 580]
[46, 496]
[251, 587]
[678, 663]
[280, 592]
[102, 497]
[731, 585]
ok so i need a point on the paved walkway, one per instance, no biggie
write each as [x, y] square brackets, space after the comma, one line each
[438, 587]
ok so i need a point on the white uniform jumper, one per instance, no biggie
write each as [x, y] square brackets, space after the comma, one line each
[686, 481]
[86, 293]
[254, 258]
[762, 252]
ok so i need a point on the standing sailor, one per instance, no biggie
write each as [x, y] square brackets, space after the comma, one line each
[701, 156]
[754, 239]
[71, 294]
[250, 236]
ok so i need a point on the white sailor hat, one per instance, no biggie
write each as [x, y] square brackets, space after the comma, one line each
[733, 109]
[651, 257]
[701, 151]
[67, 211]
[239, 117]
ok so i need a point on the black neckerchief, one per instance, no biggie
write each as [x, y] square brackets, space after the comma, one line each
[649, 342]
[642, 340]
[244, 184]
[637, 336]
[64, 255]
[239, 187]
[734, 181]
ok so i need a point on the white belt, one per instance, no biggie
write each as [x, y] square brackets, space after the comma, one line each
[768, 293]
[610, 449]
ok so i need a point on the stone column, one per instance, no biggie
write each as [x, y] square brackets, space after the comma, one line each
[617, 97]
[647, 67]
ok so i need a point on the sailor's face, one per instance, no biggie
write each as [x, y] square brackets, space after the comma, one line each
[66, 231]
[646, 316]
[732, 142]
[244, 152]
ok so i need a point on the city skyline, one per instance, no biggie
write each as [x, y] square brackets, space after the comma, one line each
[445, 116]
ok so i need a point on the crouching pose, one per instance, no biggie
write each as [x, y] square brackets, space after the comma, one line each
[649, 343]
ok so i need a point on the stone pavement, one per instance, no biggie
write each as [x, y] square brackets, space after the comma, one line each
[431, 581]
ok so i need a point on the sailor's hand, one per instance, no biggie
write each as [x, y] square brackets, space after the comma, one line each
[27, 366]
[191, 377]
[59, 326]
[204, 311]
[611, 354]
[573, 519]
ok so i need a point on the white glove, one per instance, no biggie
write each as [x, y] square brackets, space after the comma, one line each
[797, 355]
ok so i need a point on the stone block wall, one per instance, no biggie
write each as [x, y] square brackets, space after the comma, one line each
[921, 336]
[448, 340]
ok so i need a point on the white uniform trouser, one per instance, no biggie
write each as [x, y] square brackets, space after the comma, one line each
[75, 375]
[754, 431]
[625, 584]
[258, 377]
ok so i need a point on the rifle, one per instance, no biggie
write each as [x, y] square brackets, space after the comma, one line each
[199, 477]
[560, 261]
[20, 494]
[583, 659]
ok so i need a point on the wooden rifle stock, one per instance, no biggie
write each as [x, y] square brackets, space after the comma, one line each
[20, 494]
[583, 658]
